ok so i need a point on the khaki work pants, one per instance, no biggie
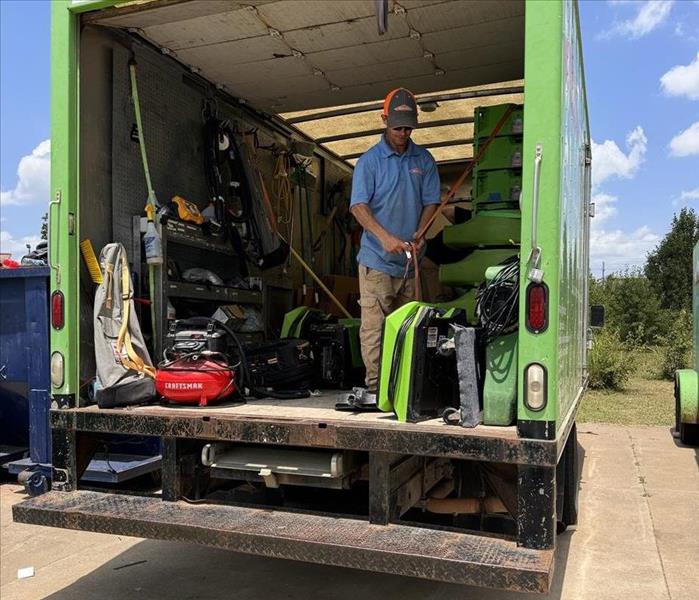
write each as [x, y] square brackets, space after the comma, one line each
[380, 295]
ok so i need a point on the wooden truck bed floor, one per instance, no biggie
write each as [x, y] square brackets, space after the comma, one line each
[312, 422]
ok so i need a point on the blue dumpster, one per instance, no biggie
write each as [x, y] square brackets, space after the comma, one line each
[25, 433]
[24, 365]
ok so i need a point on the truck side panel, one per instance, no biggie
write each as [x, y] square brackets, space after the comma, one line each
[574, 198]
[556, 126]
[63, 207]
[542, 121]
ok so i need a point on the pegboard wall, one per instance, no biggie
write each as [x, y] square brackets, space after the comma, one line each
[172, 128]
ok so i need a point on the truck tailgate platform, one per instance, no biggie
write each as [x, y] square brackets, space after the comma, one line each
[398, 549]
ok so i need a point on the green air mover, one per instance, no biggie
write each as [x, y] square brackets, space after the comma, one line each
[496, 186]
[502, 153]
[418, 378]
[466, 302]
[488, 228]
[336, 351]
[486, 119]
[297, 321]
[470, 271]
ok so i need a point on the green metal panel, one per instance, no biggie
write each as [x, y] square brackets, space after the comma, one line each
[556, 121]
[63, 211]
[542, 73]
[500, 387]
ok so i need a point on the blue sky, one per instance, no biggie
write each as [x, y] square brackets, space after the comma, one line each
[642, 71]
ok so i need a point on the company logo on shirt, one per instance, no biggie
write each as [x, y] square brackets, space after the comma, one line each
[416, 171]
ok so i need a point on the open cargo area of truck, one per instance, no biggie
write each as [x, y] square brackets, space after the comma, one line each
[299, 85]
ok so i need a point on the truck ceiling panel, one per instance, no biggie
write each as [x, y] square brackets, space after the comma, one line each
[142, 14]
[422, 84]
[372, 120]
[474, 42]
[208, 30]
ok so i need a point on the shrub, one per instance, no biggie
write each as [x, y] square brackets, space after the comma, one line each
[609, 362]
[677, 351]
[632, 306]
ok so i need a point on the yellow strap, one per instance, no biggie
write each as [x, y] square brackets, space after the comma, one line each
[109, 269]
[133, 360]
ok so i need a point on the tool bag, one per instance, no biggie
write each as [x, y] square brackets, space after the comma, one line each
[283, 365]
[125, 372]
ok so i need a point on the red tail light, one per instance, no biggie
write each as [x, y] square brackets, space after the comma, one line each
[57, 310]
[537, 307]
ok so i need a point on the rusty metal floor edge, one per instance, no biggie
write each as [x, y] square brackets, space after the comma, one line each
[81, 511]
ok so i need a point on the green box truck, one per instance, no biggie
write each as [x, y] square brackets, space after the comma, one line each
[479, 506]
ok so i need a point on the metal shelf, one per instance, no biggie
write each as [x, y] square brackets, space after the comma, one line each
[191, 235]
[197, 291]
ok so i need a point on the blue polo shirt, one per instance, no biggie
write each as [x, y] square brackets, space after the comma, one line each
[396, 187]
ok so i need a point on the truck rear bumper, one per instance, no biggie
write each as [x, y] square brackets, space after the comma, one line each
[398, 549]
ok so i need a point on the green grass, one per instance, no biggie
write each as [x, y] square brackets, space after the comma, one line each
[645, 400]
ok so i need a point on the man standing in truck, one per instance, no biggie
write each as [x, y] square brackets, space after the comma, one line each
[395, 190]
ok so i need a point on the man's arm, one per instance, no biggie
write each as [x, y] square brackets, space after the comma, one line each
[426, 215]
[366, 219]
[430, 199]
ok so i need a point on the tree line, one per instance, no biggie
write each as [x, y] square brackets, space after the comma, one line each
[648, 307]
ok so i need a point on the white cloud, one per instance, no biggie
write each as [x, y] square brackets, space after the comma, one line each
[33, 178]
[686, 196]
[608, 160]
[649, 15]
[682, 80]
[17, 247]
[620, 250]
[686, 143]
[604, 208]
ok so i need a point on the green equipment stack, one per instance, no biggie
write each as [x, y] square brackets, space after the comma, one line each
[491, 234]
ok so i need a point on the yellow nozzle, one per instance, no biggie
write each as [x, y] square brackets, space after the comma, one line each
[149, 211]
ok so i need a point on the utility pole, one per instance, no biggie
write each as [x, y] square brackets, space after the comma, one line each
[602, 271]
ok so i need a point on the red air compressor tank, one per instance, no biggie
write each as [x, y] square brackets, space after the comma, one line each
[195, 379]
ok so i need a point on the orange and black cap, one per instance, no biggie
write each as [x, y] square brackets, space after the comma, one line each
[400, 109]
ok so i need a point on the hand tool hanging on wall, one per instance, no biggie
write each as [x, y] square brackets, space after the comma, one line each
[235, 191]
[153, 264]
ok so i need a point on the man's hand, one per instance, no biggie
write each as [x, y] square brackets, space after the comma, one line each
[393, 245]
[418, 243]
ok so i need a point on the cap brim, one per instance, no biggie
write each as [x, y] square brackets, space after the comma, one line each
[405, 119]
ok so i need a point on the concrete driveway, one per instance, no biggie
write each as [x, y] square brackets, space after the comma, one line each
[638, 537]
